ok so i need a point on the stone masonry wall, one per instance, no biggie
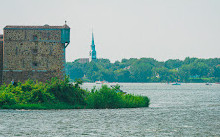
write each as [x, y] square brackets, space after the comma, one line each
[1, 60]
[32, 54]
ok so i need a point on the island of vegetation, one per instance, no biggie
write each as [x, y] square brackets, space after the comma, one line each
[189, 70]
[61, 94]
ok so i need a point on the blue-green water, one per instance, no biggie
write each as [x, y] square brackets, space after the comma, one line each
[186, 110]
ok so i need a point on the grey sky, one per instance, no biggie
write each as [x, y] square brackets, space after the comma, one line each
[161, 29]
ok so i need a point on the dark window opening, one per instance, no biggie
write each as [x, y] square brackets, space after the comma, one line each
[23, 64]
[34, 37]
[34, 64]
[34, 51]
[47, 63]
[16, 51]
[48, 35]
[25, 35]
[51, 50]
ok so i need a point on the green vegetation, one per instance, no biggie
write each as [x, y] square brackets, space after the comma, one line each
[61, 94]
[109, 98]
[147, 70]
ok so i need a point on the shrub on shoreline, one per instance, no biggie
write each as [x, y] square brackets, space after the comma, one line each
[108, 98]
[61, 94]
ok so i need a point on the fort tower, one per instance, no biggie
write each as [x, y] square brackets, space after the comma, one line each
[34, 52]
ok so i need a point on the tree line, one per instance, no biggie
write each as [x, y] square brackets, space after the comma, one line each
[146, 70]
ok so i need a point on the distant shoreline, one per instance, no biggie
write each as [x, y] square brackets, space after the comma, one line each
[153, 82]
[147, 70]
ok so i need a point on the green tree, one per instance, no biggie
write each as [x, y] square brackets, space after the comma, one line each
[141, 72]
[217, 71]
[144, 69]
[166, 75]
[173, 63]
[184, 73]
[122, 75]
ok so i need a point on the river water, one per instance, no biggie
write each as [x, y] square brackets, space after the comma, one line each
[186, 110]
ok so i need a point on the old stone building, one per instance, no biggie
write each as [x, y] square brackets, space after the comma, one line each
[33, 52]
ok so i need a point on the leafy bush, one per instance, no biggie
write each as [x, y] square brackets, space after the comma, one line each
[109, 98]
[7, 98]
[31, 92]
[65, 91]
[132, 101]
[61, 94]
[104, 98]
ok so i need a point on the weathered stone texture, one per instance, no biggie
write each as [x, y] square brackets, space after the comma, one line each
[32, 54]
[24, 75]
[1, 59]
[28, 35]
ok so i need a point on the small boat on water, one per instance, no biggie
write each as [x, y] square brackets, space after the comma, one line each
[101, 82]
[176, 83]
[98, 82]
[208, 83]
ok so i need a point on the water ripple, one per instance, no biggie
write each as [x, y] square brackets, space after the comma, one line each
[188, 110]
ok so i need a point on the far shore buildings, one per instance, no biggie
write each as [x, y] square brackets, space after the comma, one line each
[92, 53]
[33, 52]
[83, 60]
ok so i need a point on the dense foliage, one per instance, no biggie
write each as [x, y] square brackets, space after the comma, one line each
[61, 94]
[109, 98]
[52, 92]
[147, 70]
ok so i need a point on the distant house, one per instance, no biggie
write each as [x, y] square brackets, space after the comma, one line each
[83, 60]
[127, 68]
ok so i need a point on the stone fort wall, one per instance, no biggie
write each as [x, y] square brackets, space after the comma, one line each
[36, 54]
[1, 57]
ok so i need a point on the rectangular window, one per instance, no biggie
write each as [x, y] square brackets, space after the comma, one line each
[34, 64]
[34, 51]
[48, 35]
[51, 50]
[16, 51]
[25, 35]
[34, 37]
[23, 64]
[47, 63]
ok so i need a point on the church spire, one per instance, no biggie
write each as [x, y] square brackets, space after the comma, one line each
[92, 51]
[93, 42]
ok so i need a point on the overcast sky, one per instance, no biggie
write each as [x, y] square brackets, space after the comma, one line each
[161, 29]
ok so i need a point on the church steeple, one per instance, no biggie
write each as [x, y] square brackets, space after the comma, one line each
[93, 42]
[92, 51]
